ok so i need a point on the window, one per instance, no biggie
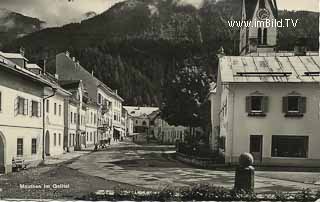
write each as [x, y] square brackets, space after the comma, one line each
[35, 109]
[55, 109]
[87, 136]
[22, 106]
[60, 110]
[294, 106]
[19, 147]
[75, 118]
[256, 105]
[91, 118]
[33, 146]
[265, 36]
[222, 143]
[99, 98]
[59, 139]
[259, 36]
[94, 120]
[55, 139]
[71, 115]
[47, 107]
[144, 123]
[90, 136]
[290, 146]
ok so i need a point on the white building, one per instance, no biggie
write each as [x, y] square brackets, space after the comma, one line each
[140, 116]
[267, 103]
[21, 123]
[110, 103]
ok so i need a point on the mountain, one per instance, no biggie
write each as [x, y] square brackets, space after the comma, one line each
[137, 45]
[14, 25]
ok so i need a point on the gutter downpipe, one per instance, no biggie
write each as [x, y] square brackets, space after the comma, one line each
[232, 123]
[43, 119]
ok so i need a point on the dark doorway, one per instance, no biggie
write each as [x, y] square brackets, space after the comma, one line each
[256, 142]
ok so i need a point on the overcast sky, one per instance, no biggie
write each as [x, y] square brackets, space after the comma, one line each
[59, 12]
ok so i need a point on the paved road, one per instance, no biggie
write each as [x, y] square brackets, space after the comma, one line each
[151, 167]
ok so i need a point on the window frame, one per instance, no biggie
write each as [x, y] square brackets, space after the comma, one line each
[306, 142]
[19, 149]
[34, 146]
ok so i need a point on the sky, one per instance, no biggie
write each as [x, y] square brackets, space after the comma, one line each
[59, 12]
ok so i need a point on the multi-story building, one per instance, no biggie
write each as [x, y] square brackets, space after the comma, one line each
[267, 103]
[91, 124]
[110, 103]
[140, 116]
[21, 119]
[80, 117]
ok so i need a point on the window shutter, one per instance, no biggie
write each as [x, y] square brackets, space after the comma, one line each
[265, 104]
[39, 109]
[16, 106]
[302, 104]
[285, 104]
[25, 110]
[248, 104]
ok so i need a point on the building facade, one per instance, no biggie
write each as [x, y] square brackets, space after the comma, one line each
[267, 103]
[21, 119]
[109, 102]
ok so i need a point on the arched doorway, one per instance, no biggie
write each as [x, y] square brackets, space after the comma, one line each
[2, 153]
[47, 144]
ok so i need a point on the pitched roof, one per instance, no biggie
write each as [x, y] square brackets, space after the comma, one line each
[33, 66]
[69, 84]
[250, 6]
[140, 111]
[10, 66]
[13, 55]
[247, 69]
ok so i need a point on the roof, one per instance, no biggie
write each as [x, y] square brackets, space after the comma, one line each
[135, 111]
[33, 66]
[69, 84]
[13, 55]
[292, 69]
[54, 83]
[10, 66]
[250, 6]
[98, 82]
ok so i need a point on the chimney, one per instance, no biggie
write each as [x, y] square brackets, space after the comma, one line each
[300, 47]
[91, 72]
[56, 76]
[73, 59]
[67, 54]
[21, 51]
[116, 92]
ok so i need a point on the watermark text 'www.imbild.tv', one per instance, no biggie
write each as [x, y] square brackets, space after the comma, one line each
[265, 23]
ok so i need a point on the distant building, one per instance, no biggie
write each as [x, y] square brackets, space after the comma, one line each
[140, 116]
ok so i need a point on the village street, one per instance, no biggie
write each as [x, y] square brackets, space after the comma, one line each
[131, 166]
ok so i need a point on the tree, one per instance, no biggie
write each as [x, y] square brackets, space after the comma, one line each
[184, 97]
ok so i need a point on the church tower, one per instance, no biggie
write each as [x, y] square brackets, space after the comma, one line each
[260, 37]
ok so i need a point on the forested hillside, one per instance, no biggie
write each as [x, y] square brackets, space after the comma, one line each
[137, 44]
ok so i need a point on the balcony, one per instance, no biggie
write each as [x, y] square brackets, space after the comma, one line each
[105, 108]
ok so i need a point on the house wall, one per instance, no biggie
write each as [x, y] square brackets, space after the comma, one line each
[13, 125]
[91, 126]
[239, 126]
[54, 123]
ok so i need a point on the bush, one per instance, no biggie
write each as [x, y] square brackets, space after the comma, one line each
[200, 193]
